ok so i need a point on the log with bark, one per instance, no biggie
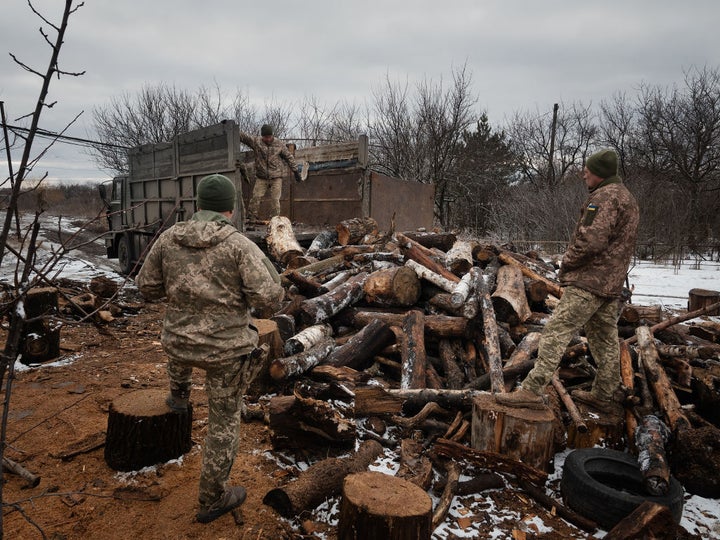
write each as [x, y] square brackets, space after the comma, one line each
[298, 421]
[649, 520]
[509, 299]
[395, 286]
[423, 272]
[651, 436]
[570, 406]
[297, 364]
[321, 308]
[281, 242]
[491, 342]
[320, 481]
[360, 349]
[413, 250]
[458, 259]
[373, 400]
[413, 351]
[437, 325]
[552, 286]
[307, 338]
[352, 231]
[415, 467]
[442, 241]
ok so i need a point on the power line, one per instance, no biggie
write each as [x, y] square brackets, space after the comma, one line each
[64, 138]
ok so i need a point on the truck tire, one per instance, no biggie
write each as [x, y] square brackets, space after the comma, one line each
[607, 485]
[125, 258]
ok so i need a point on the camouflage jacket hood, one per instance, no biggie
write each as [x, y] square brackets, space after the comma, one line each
[211, 275]
[269, 157]
[602, 245]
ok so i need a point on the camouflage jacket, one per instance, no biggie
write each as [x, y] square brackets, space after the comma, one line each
[602, 245]
[268, 157]
[211, 275]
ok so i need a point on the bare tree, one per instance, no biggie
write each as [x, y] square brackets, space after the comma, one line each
[418, 137]
[542, 161]
[13, 308]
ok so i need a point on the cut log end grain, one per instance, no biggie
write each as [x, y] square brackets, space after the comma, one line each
[380, 493]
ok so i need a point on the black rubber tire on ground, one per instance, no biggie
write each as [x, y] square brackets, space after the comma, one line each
[606, 485]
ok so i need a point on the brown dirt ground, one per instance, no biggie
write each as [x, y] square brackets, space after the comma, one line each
[53, 407]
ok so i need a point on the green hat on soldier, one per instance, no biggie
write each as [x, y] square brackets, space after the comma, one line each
[266, 130]
[603, 163]
[217, 193]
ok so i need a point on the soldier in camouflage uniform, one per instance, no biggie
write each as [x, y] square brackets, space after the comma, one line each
[269, 169]
[211, 275]
[592, 272]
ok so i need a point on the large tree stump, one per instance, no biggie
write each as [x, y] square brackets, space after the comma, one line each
[376, 505]
[522, 434]
[143, 431]
[605, 428]
[700, 298]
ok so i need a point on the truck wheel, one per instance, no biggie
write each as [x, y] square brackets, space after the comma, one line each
[124, 256]
[607, 485]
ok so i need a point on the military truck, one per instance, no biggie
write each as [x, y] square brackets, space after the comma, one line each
[160, 189]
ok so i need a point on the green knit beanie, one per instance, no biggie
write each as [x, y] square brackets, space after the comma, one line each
[266, 130]
[217, 193]
[603, 163]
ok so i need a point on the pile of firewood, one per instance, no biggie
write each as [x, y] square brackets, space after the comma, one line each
[414, 332]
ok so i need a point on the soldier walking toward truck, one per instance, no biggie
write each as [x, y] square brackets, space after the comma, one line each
[211, 275]
[269, 169]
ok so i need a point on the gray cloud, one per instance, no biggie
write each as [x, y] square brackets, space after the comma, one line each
[523, 54]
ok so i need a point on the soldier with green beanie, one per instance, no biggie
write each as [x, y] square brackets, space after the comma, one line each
[211, 275]
[270, 153]
[592, 274]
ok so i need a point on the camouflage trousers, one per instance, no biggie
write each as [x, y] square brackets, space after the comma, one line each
[599, 316]
[274, 187]
[223, 384]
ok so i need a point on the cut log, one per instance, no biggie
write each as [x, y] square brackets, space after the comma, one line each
[321, 308]
[413, 250]
[307, 286]
[491, 342]
[297, 364]
[323, 240]
[375, 505]
[396, 286]
[459, 258]
[490, 460]
[572, 409]
[552, 286]
[282, 245]
[373, 400]
[461, 291]
[298, 422]
[442, 241]
[535, 290]
[428, 275]
[335, 280]
[509, 299]
[659, 382]
[307, 338]
[352, 231]
[648, 520]
[437, 325]
[449, 357]
[143, 431]
[627, 376]
[602, 429]
[342, 374]
[413, 351]
[360, 349]
[678, 319]
[320, 481]
[522, 434]
[700, 298]
[651, 437]
[634, 314]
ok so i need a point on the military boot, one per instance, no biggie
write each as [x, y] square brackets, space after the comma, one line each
[178, 399]
[521, 399]
[594, 402]
[232, 498]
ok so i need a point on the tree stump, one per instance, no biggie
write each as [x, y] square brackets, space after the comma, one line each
[699, 298]
[522, 434]
[376, 505]
[40, 339]
[143, 431]
[601, 427]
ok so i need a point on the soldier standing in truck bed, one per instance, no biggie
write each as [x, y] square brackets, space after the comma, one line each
[269, 169]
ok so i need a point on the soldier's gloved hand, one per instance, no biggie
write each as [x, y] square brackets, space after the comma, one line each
[298, 178]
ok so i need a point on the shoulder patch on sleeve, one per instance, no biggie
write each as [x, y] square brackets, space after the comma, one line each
[590, 212]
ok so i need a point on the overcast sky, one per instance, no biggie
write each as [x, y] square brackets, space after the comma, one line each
[522, 55]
